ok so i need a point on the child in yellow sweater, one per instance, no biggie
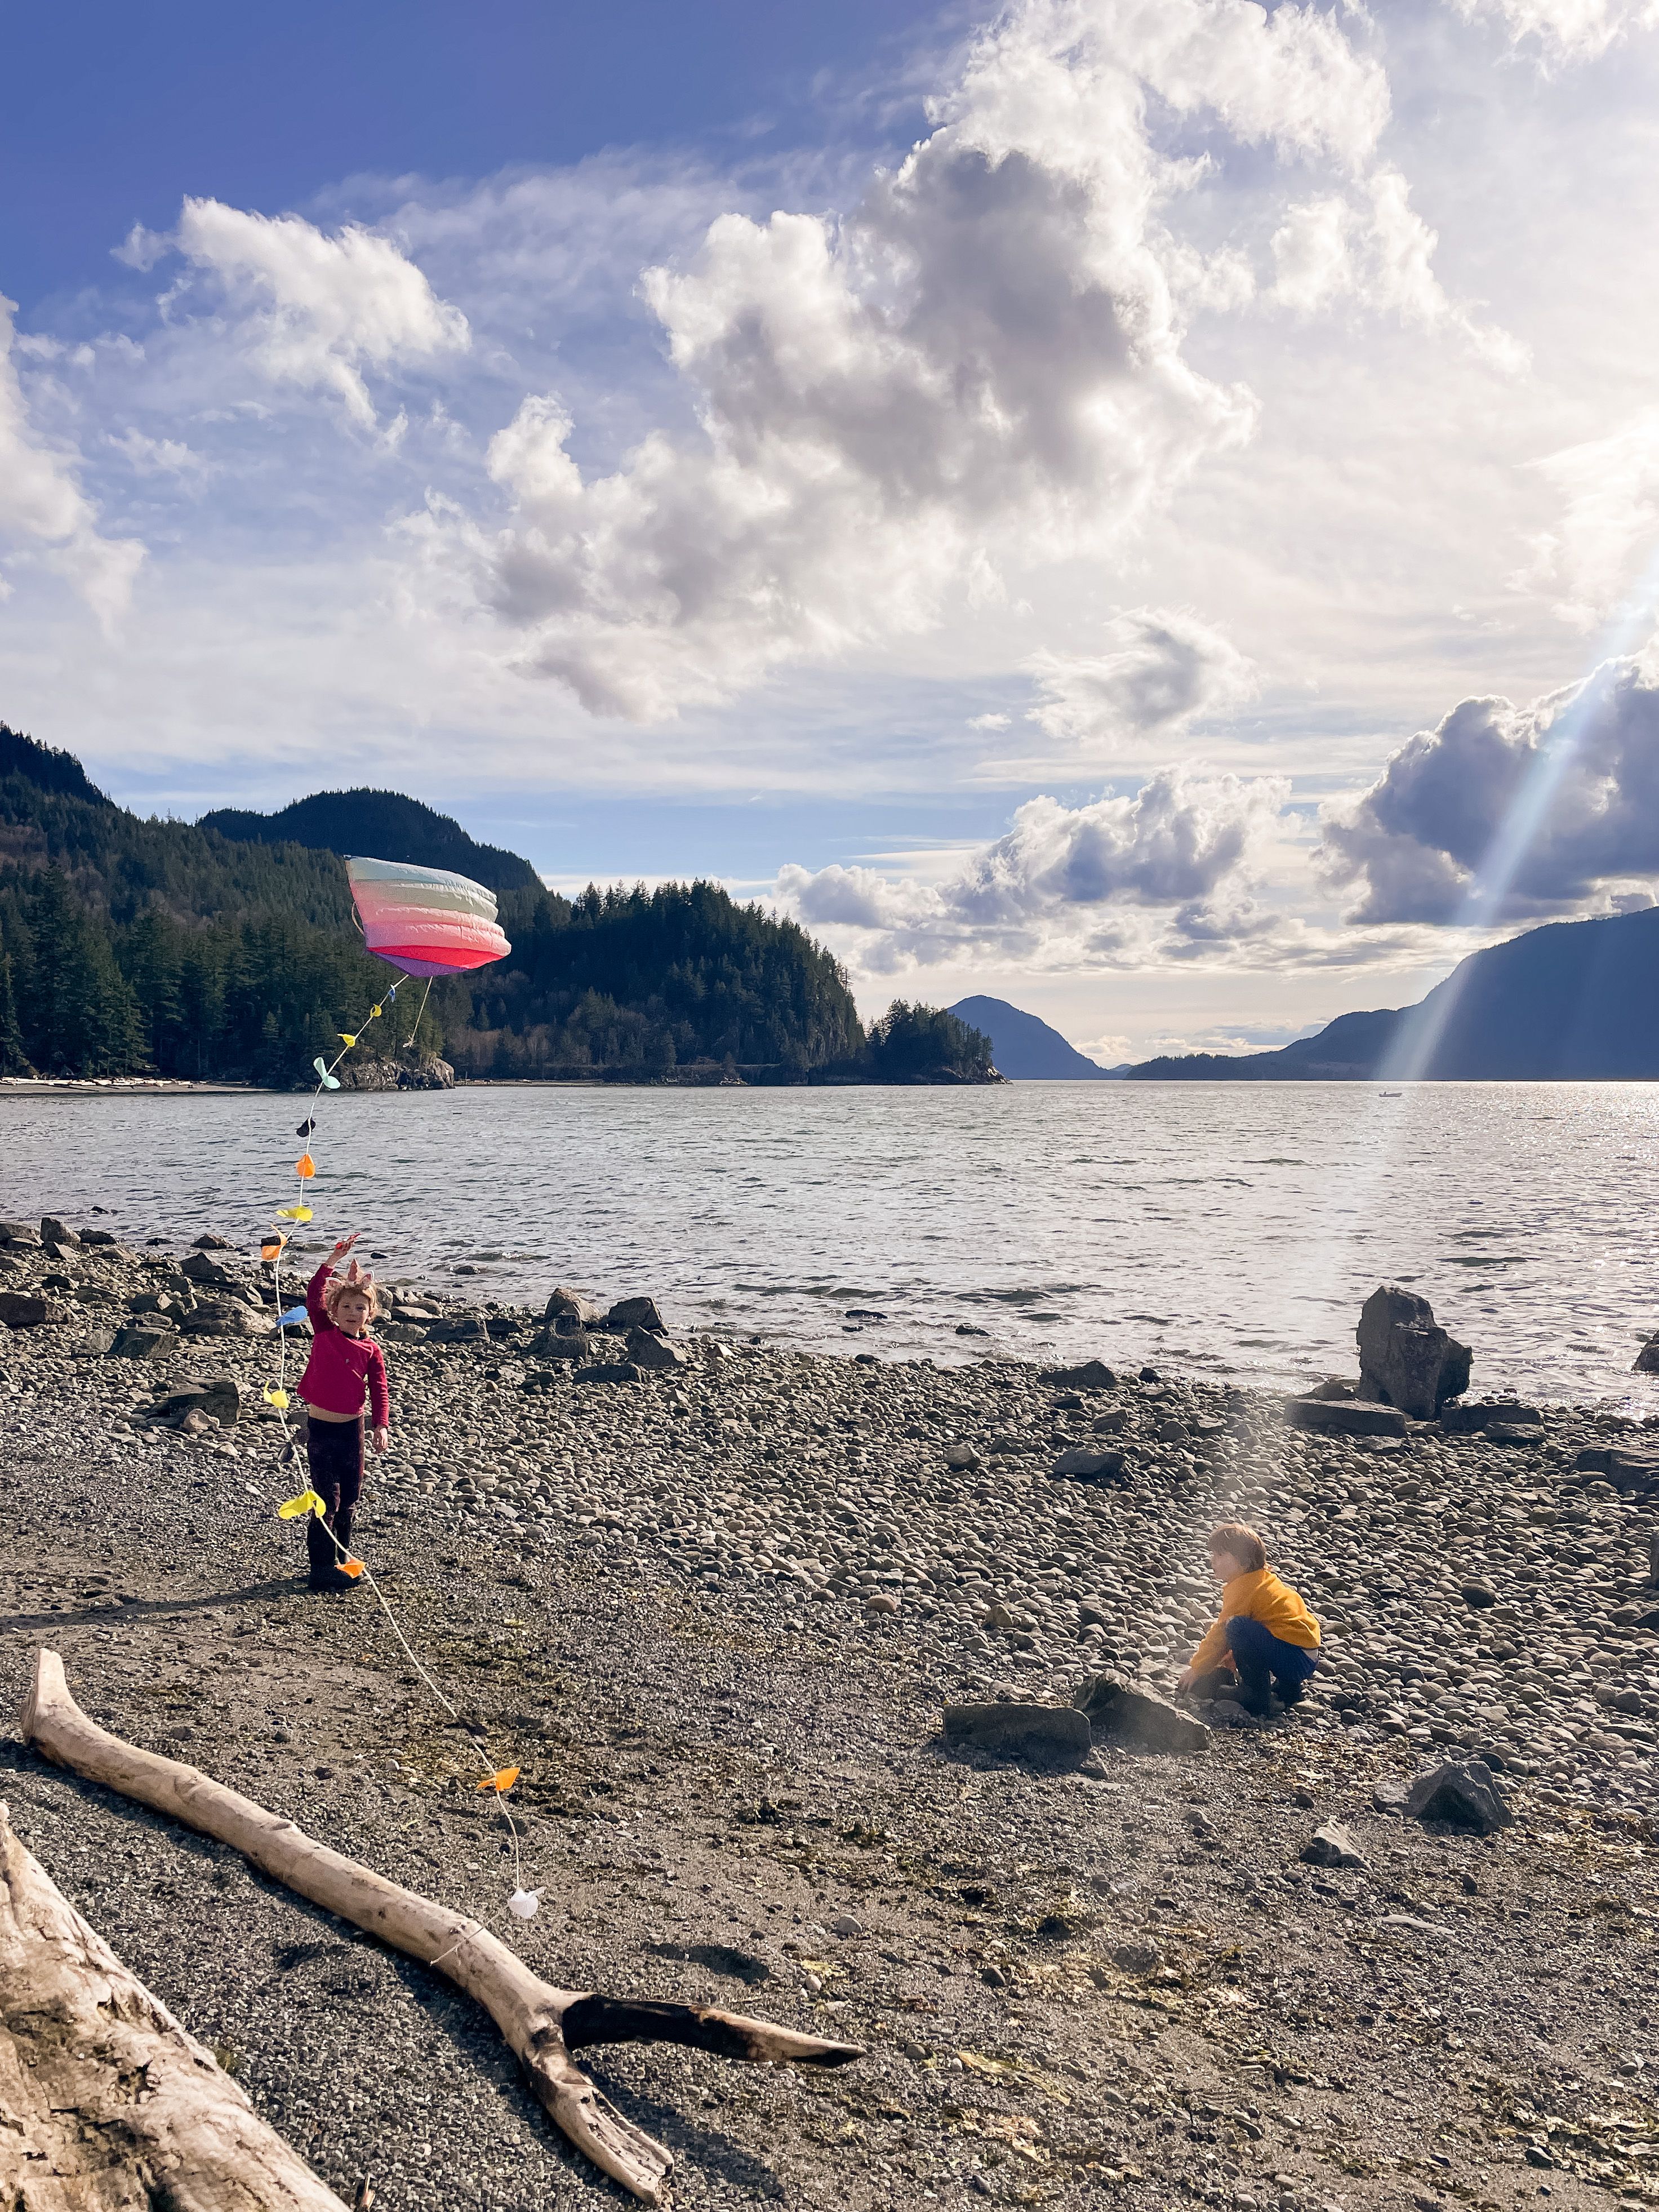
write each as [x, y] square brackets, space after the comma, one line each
[1264, 1634]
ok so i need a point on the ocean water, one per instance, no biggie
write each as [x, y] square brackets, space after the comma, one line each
[1232, 1230]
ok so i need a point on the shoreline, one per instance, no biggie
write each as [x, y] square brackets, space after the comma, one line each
[717, 1611]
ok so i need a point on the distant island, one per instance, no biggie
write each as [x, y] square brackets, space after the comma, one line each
[1571, 1001]
[227, 951]
[1027, 1050]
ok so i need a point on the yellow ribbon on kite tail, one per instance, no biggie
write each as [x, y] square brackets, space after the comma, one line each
[307, 1501]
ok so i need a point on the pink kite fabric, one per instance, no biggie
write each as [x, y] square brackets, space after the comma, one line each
[426, 920]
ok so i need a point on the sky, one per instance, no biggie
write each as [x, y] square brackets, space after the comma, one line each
[1145, 508]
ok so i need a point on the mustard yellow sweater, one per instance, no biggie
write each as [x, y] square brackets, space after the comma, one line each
[1258, 1596]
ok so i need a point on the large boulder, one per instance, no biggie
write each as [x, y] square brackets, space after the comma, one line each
[569, 1309]
[1092, 1375]
[1406, 1359]
[1121, 1713]
[202, 1268]
[27, 1309]
[574, 1344]
[1344, 1417]
[223, 1318]
[1019, 1731]
[1462, 1792]
[23, 1235]
[636, 1313]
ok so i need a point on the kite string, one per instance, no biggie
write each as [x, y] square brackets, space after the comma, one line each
[289, 1451]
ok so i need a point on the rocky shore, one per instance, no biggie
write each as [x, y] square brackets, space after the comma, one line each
[716, 1600]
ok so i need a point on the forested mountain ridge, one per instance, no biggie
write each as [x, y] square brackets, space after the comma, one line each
[381, 822]
[132, 947]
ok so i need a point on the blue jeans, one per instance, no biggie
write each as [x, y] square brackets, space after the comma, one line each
[1259, 1655]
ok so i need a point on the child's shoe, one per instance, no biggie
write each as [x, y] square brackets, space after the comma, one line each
[1290, 1693]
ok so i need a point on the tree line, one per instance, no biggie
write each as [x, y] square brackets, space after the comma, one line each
[130, 946]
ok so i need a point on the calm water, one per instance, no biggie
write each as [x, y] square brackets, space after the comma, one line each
[1229, 1228]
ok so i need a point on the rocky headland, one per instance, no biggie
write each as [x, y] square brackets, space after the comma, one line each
[717, 1600]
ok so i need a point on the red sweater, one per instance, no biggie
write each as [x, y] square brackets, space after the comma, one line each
[342, 1368]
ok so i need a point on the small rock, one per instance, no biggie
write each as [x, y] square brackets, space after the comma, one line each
[881, 1603]
[1479, 1596]
[1390, 1797]
[572, 1306]
[611, 1371]
[134, 1341]
[1138, 1958]
[1090, 1466]
[1122, 1714]
[59, 1232]
[1509, 1432]
[24, 1235]
[1019, 1730]
[206, 1243]
[1332, 1845]
[655, 1351]
[1474, 1414]
[962, 1456]
[572, 1345]
[1463, 1792]
[844, 1924]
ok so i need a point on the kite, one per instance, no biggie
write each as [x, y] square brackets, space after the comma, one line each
[425, 921]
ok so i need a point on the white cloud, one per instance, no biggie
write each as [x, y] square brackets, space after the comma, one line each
[315, 310]
[1571, 779]
[1171, 868]
[43, 507]
[1610, 492]
[155, 457]
[1165, 670]
[1567, 30]
[981, 365]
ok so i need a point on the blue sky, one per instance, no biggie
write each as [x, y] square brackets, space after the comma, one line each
[1098, 503]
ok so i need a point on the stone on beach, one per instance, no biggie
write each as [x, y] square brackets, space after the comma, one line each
[1344, 1416]
[1092, 1375]
[630, 1313]
[1332, 1845]
[655, 1351]
[571, 1306]
[29, 1310]
[1019, 1730]
[1462, 1792]
[1123, 1713]
[1406, 1359]
[1090, 1466]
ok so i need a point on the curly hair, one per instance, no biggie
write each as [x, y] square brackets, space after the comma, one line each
[362, 1285]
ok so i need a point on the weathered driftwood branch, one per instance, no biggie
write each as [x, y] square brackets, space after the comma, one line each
[543, 2024]
[106, 2105]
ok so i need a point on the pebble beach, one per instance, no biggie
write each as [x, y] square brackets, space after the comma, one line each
[716, 1602]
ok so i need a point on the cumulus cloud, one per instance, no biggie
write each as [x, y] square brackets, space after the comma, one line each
[1163, 669]
[1566, 30]
[1171, 865]
[43, 507]
[1583, 761]
[314, 311]
[982, 363]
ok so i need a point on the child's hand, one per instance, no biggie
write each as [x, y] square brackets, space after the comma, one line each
[346, 1243]
[381, 1438]
[1185, 1678]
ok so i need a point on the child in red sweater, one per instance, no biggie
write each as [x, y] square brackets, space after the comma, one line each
[345, 1365]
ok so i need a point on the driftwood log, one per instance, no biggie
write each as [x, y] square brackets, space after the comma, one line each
[106, 2104]
[542, 2025]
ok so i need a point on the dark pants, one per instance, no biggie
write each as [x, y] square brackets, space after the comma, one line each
[335, 1452]
[1262, 1656]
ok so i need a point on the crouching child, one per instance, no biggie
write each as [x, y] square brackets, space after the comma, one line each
[1265, 1641]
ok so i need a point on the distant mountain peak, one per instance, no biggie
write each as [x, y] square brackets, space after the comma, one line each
[1027, 1050]
[47, 768]
[383, 824]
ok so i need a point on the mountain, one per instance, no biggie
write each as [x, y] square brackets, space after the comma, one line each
[381, 822]
[1025, 1049]
[132, 947]
[1573, 1002]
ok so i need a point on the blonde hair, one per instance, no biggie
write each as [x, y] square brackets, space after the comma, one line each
[1240, 1543]
[358, 1285]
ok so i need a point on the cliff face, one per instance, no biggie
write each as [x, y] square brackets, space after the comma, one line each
[1574, 1001]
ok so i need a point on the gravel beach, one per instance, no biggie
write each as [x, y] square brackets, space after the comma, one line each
[715, 1607]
